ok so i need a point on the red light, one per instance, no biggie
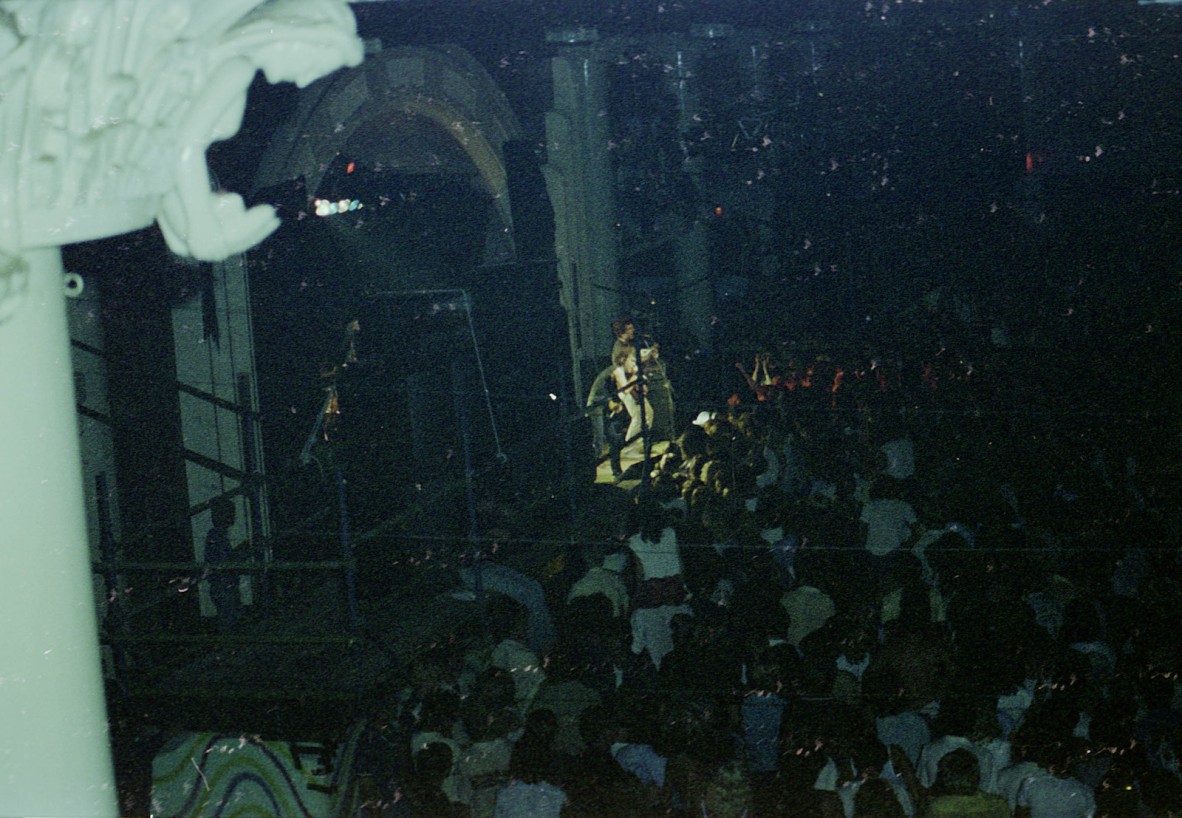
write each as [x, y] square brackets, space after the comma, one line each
[349, 167]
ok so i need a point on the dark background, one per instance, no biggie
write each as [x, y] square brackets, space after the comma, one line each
[1023, 156]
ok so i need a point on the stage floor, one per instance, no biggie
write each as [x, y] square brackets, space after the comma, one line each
[630, 459]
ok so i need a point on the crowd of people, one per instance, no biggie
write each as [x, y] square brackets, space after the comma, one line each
[826, 598]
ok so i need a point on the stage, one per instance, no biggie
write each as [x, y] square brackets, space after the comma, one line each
[631, 461]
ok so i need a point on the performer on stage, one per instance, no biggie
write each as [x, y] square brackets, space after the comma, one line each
[647, 355]
[624, 331]
[631, 391]
[608, 419]
[657, 388]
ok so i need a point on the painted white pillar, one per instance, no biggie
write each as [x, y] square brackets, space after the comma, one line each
[580, 182]
[107, 110]
[54, 754]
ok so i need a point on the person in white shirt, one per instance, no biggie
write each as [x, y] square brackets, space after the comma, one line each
[888, 524]
[963, 725]
[605, 579]
[1034, 787]
[632, 394]
[661, 594]
[1049, 796]
[528, 794]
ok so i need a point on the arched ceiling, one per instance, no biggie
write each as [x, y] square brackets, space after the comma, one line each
[403, 142]
[411, 109]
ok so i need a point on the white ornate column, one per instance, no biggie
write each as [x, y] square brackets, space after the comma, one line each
[579, 179]
[106, 110]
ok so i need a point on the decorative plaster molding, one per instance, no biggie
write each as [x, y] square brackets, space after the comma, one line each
[108, 106]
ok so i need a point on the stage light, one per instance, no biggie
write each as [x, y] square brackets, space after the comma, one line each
[324, 207]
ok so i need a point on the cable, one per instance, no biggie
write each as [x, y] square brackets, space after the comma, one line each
[501, 456]
[467, 305]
